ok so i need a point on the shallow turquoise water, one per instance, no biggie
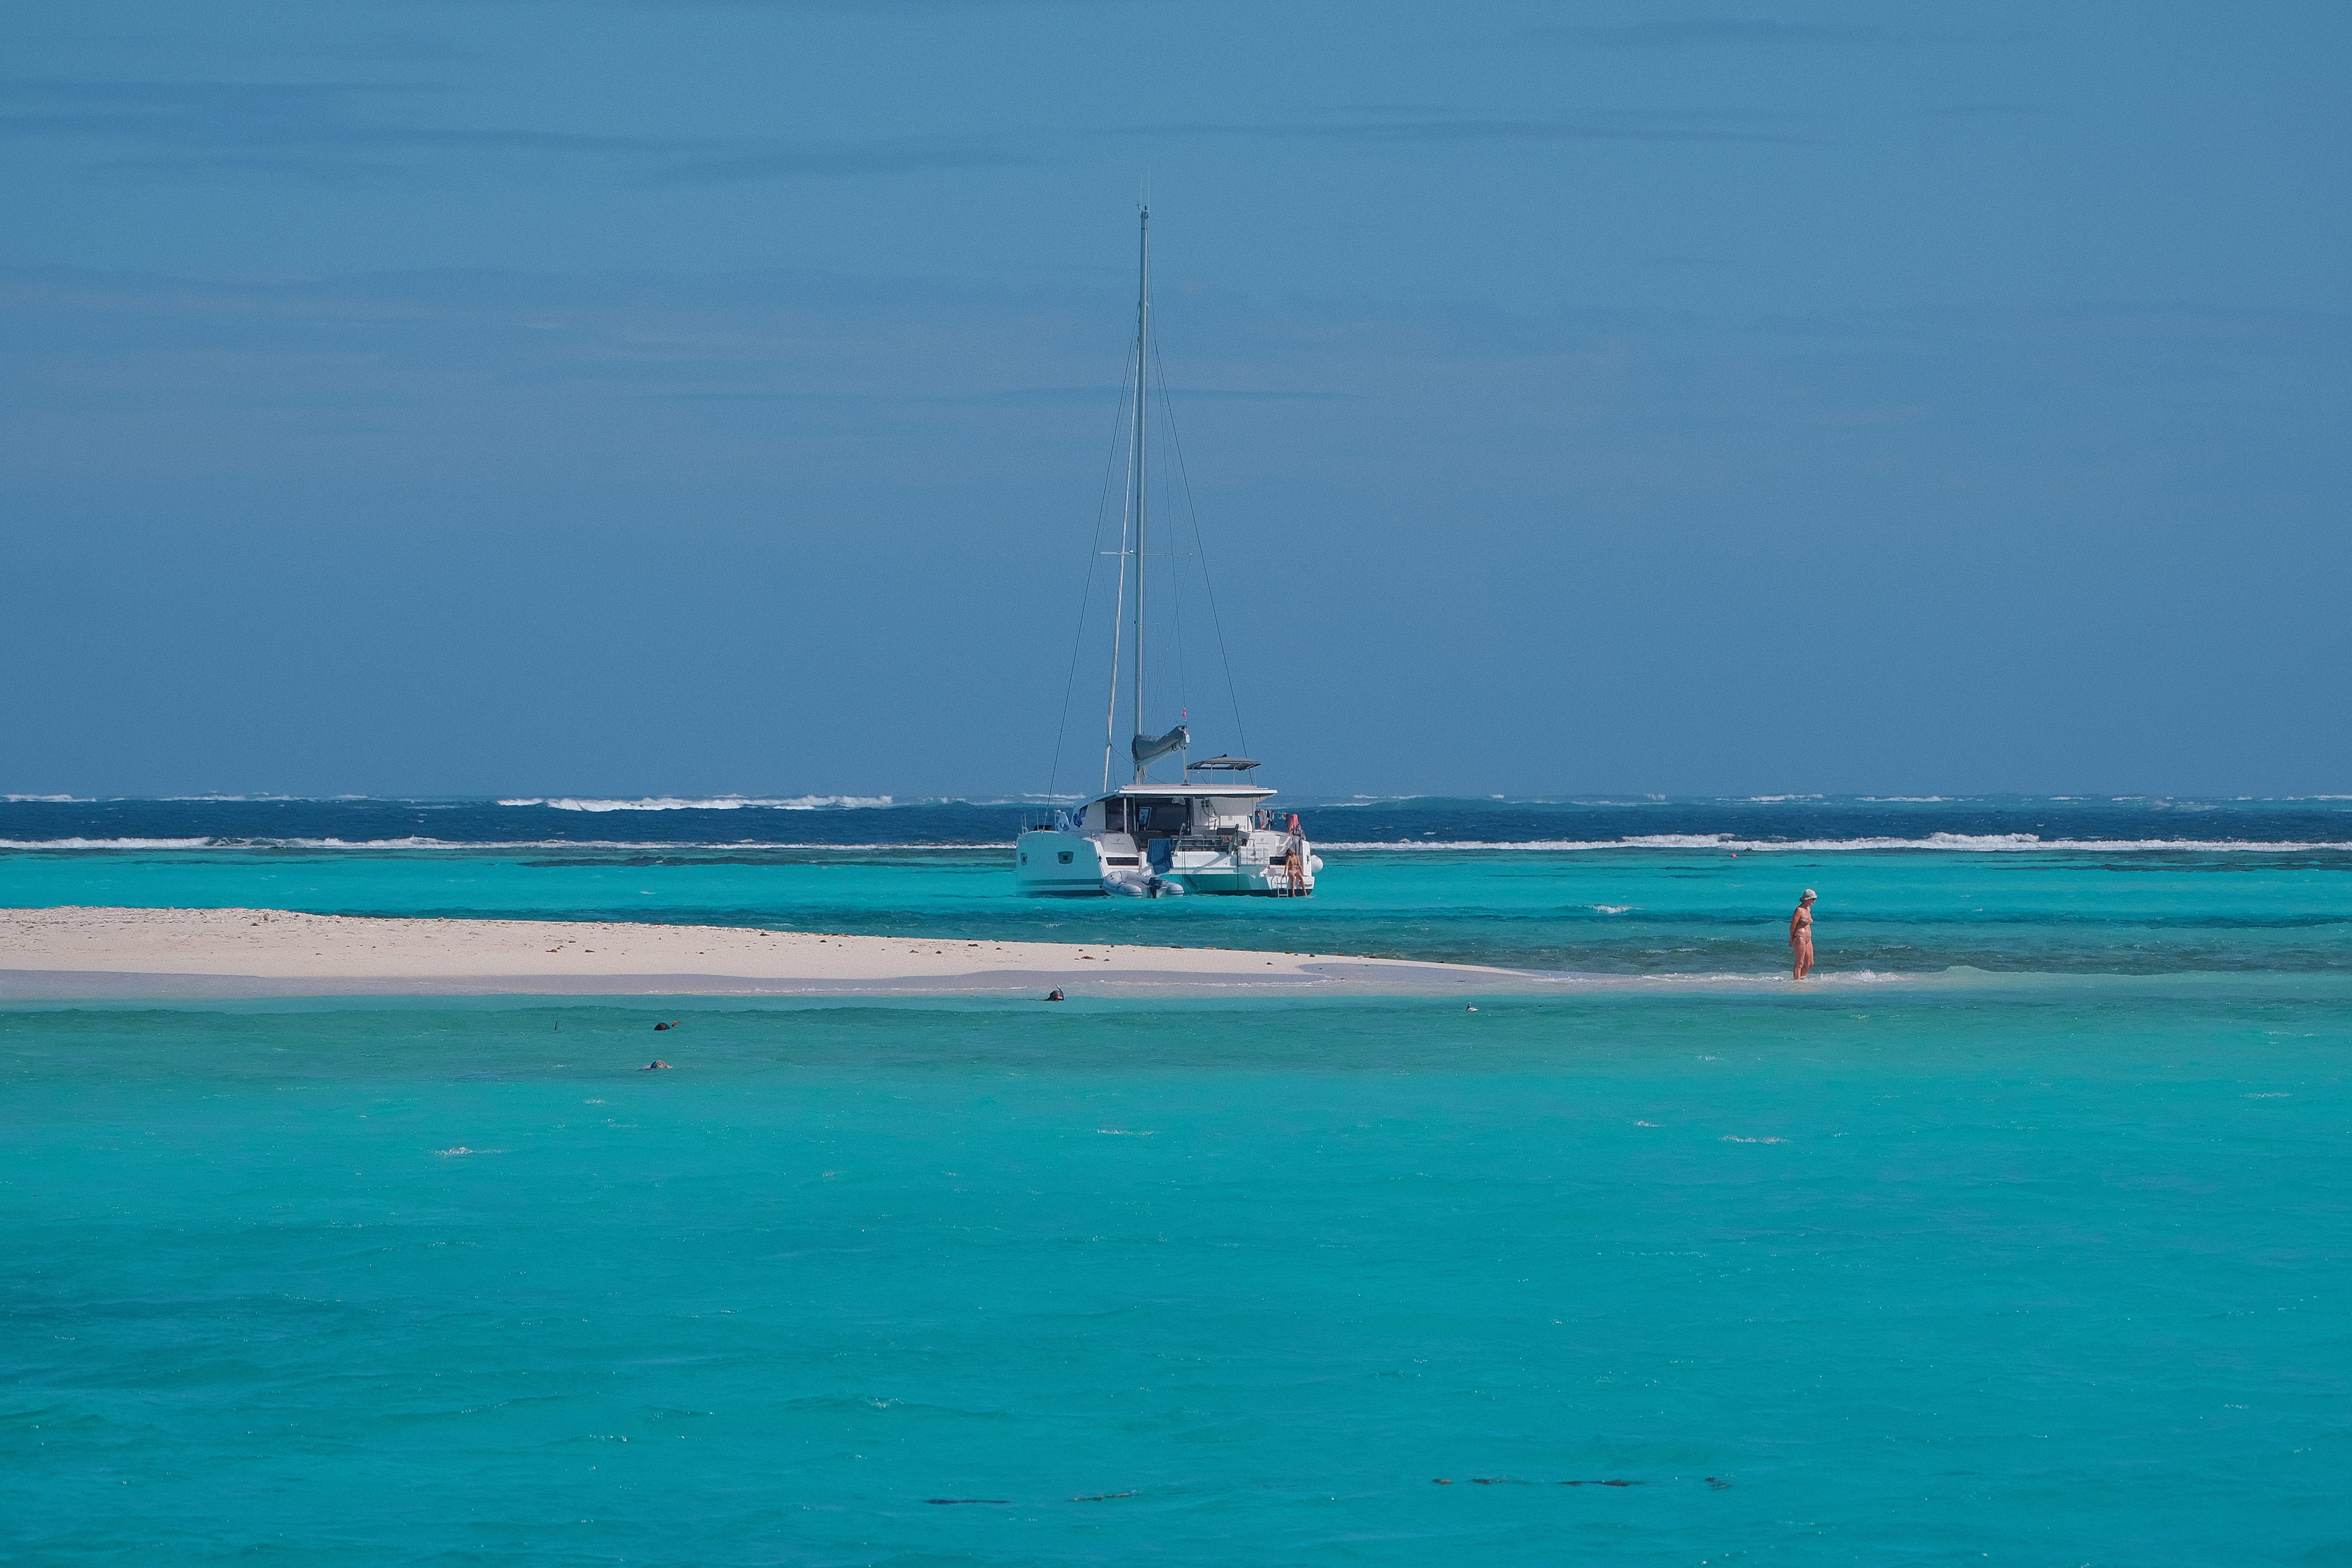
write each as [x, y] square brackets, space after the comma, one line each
[1625, 911]
[2051, 1273]
[2022, 1240]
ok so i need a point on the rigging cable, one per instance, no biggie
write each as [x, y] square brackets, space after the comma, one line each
[1127, 499]
[1087, 594]
[1175, 578]
[1200, 549]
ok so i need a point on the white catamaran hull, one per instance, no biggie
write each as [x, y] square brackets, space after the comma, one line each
[1153, 839]
[1049, 861]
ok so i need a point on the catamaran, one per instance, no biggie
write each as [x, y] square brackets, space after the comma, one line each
[1147, 837]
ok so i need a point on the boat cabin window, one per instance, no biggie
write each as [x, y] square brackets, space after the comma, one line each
[1150, 818]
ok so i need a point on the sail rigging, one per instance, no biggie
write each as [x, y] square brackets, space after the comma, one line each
[1142, 838]
[1143, 453]
[1136, 588]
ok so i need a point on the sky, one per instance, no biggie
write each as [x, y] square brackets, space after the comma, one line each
[715, 396]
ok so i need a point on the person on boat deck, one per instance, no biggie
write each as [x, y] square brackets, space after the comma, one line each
[1801, 934]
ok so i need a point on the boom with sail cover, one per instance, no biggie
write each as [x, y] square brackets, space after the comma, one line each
[1146, 747]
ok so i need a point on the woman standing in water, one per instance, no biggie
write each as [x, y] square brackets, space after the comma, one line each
[1800, 934]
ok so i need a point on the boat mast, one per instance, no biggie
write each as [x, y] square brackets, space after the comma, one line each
[1142, 382]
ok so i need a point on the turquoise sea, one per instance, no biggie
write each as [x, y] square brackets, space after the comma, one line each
[2024, 1235]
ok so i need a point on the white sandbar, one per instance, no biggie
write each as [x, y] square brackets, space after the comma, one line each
[71, 952]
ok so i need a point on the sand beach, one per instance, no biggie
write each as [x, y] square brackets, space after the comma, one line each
[93, 952]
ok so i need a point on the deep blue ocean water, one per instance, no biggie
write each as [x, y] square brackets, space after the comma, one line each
[2020, 1238]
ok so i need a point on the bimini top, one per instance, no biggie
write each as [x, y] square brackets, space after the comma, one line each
[1226, 764]
[1185, 791]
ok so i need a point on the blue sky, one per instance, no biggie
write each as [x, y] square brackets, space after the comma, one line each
[466, 395]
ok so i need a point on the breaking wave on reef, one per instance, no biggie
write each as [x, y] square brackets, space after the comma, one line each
[1977, 843]
[712, 803]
